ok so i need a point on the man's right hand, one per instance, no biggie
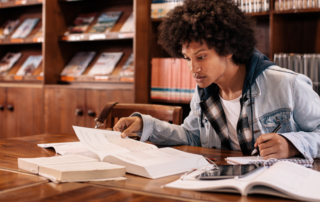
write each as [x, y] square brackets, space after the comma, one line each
[129, 125]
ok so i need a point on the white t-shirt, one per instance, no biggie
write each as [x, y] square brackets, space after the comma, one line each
[232, 111]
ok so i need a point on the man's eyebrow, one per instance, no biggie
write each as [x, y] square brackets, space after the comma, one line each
[199, 51]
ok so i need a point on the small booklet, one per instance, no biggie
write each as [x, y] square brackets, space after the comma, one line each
[128, 26]
[78, 64]
[29, 65]
[105, 22]
[25, 28]
[81, 23]
[128, 68]
[8, 27]
[105, 64]
[259, 160]
[139, 158]
[8, 61]
[71, 168]
[283, 179]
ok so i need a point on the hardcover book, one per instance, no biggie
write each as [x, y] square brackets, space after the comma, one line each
[8, 27]
[139, 158]
[105, 22]
[29, 65]
[128, 26]
[25, 28]
[8, 61]
[105, 64]
[78, 64]
[128, 68]
[81, 23]
[71, 168]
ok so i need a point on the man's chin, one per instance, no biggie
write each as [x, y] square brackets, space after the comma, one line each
[203, 85]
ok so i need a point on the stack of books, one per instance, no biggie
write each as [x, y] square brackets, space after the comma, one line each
[280, 5]
[307, 64]
[171, 80]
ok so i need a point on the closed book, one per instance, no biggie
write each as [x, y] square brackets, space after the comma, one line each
[128, 26]
[31, 64]
[78, 64]
[128, 67]
[105, 22]
[8, 27]
[25, 28]
[8, 61]
[81, 23]
[154, 78]
[105, 63]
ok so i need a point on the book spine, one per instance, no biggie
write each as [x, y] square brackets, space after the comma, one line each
[184, 80]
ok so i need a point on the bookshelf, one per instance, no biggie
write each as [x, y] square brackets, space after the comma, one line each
[288, 31]
[55, 103]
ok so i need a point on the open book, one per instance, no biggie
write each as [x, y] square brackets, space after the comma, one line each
[71, 168]
[139, 158]
[284, 179]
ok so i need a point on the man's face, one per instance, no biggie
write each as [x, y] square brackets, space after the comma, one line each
[205, 64]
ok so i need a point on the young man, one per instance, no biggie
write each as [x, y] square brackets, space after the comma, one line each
[241, 96]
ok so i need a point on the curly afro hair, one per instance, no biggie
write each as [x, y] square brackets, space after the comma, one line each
[219, 23]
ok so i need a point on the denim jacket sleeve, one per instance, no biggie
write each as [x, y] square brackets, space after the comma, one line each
[306, 114]
[163, 133]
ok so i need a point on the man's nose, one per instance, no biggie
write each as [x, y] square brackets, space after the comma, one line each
[194, 67]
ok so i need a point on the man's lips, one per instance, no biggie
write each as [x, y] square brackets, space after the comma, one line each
[199, 78]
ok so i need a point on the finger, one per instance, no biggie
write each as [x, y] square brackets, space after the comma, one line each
[265, 137]
[266, 145]
[267, 151]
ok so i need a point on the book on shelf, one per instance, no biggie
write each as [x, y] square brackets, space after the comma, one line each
[8, 61]
[106, 63]
[105, 22]
[28, 67]
[127, 69]
[139, 158]
[171, 80]
[25, 28]
[78, 64]
[39, 33]
[70, 168]
[8, 27]
[128, 26]
[281, 5]
[307, 64]
[160, 8]
[283, 179]
[81, 23]
[253, 6]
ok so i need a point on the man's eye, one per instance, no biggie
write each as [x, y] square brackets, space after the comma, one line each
[187, 59]
[202, 57]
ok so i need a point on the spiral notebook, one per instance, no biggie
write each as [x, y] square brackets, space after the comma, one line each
[259, 160]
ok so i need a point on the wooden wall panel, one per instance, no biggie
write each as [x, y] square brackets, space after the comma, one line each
[60, 107]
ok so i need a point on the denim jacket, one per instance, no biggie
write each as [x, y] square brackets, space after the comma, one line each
[276, 92]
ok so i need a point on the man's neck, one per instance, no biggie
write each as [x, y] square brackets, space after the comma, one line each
[232, 84]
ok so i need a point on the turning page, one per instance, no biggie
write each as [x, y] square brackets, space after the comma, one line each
[105, 142]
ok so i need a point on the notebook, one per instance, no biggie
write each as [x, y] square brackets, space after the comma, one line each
[259, 160]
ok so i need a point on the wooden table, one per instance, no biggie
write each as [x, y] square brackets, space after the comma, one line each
[136, 188]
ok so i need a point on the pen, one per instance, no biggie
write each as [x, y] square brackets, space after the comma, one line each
[256, 149]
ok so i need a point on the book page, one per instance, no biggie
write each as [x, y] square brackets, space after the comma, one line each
[104, 142]
[58, 159]
[291, 179]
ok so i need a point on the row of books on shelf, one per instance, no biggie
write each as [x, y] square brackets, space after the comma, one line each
[104, 65]
[103, 24]
[21, 31]
[160, 8]
[28, 67]
[280, 5]
[307, 64]
[253, 6]
[171, 80]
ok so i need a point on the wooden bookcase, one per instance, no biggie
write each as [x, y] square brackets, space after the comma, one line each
[49, 104]
[290, 31]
